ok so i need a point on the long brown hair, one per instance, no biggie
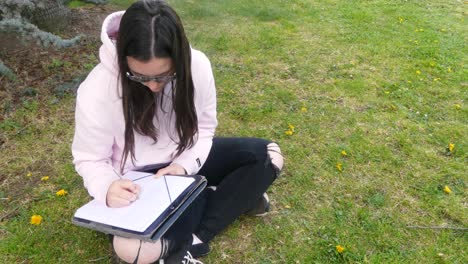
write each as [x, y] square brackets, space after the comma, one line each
[150, 29]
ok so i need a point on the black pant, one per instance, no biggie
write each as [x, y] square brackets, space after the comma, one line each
[242, 171]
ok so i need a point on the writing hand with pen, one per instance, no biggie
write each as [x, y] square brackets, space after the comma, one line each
[122, 192]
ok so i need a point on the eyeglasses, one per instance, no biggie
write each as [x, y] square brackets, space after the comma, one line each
[145, 79]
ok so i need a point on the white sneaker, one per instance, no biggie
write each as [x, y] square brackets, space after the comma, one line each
[188, 259]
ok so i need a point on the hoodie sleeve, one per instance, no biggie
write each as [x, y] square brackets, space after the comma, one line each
[205, 101]
[93, 140]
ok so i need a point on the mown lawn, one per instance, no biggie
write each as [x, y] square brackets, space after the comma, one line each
[366, 98]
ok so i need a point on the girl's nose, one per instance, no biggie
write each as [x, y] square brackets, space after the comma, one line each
[154, 86]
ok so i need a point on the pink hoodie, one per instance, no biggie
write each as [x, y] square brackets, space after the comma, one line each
[99, 130]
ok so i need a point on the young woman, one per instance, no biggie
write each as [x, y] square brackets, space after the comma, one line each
[150, 104]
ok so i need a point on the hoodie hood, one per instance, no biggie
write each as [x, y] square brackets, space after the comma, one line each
[109, 33]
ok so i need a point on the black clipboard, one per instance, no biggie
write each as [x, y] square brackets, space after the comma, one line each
[162, 223]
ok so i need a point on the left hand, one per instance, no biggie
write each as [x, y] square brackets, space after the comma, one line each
[174, 168]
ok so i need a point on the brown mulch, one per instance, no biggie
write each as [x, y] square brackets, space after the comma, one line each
[40, 70]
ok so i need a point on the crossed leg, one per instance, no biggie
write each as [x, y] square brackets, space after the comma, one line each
[129, 249]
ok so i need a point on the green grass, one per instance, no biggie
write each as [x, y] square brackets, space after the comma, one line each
[353, 65]
[78, 4]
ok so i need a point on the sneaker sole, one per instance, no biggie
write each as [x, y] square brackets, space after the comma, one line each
[267, 209]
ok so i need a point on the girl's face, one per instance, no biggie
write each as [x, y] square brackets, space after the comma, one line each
[154, 73]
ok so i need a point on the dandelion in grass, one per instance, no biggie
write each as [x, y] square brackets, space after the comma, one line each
[401, 20]
[451, 147]
[340, 249]
[62, 192]
[303, 109]
[339, 166]
[436, 79]
[418, 72]
[45, 178]
[343, 153]
[457, 106]
[29, 174]
[449, 69]
[290, 130]
[447, 190]
[36, 220]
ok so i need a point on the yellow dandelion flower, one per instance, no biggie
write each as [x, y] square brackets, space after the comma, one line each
[436, 79]
[451, 147]
[303, 109]
[418, 72]
[457, 106]
[449, 69]
[343, 153]
[291, 127]
[29, 174]
[339, 166]
[447, 190]
[62, 192]
[36, 220]
[289, 132]
[400, 19]
[45, 178]
[340, 249]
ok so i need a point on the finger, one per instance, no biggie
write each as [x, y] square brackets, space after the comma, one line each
[118, 202]
[138, 189]
[126, 184]
[129, 186]
[129, 196]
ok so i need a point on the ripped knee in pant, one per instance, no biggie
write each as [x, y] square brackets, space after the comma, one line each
[276, 157]
[136, 251]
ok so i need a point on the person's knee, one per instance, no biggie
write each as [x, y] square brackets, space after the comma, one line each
[127, 250]
[276, 157]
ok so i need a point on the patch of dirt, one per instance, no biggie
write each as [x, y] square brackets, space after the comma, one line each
[39, 69]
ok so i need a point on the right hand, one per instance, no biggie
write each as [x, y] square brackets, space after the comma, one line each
[122, 193]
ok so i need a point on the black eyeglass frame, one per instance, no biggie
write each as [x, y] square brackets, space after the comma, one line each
[145, 79]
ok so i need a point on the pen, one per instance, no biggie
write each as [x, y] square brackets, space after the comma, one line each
[120, 176]
[117, 173]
